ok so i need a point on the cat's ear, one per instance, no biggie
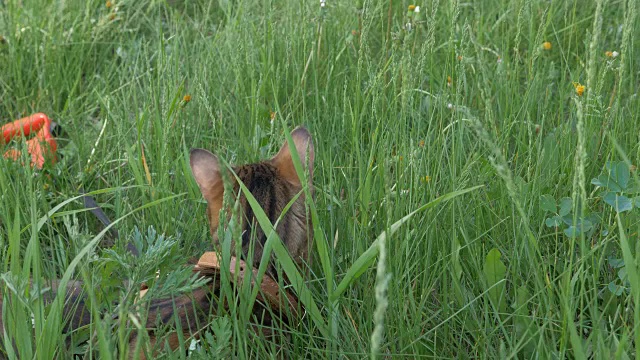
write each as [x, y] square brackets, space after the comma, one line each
[206, 170]
[304, 147]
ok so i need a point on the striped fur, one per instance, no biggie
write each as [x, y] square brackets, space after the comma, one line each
[274, 183]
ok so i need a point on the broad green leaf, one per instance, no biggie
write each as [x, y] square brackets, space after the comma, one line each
[615, 289]
[603, 181]
[580, 222]
[609, 165]
[367, 258]
[622, 174]
[565, 206]
[619, 203]
[571, 231]
[594, 218]
[548, 203]
[581, 227]
[615, 263]
[622, 274]
[554, 221]
[494, 272]
[633, 187]
[615, 178]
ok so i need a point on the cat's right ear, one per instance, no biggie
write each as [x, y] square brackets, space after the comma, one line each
[304, 147]
[206, 170]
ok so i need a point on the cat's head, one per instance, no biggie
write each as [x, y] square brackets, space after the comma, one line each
[273, 183]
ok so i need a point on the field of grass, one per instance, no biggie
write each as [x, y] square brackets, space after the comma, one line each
[519, 103]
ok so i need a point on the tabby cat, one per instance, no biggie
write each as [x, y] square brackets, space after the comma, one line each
[273, 183]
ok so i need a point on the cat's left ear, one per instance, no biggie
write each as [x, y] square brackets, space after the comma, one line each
[304, 147]
[206, 170]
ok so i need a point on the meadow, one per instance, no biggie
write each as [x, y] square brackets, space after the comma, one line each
[475, 177]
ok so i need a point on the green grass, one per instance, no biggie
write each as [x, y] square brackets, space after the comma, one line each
[392, 134]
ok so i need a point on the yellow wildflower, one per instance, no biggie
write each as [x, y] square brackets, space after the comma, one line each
[546, 45]
[412, 7]
[449, 81]
[421, 143]
[185, 101]
[109, 4]
[609, 53]
[425, 179]
[579, 88]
